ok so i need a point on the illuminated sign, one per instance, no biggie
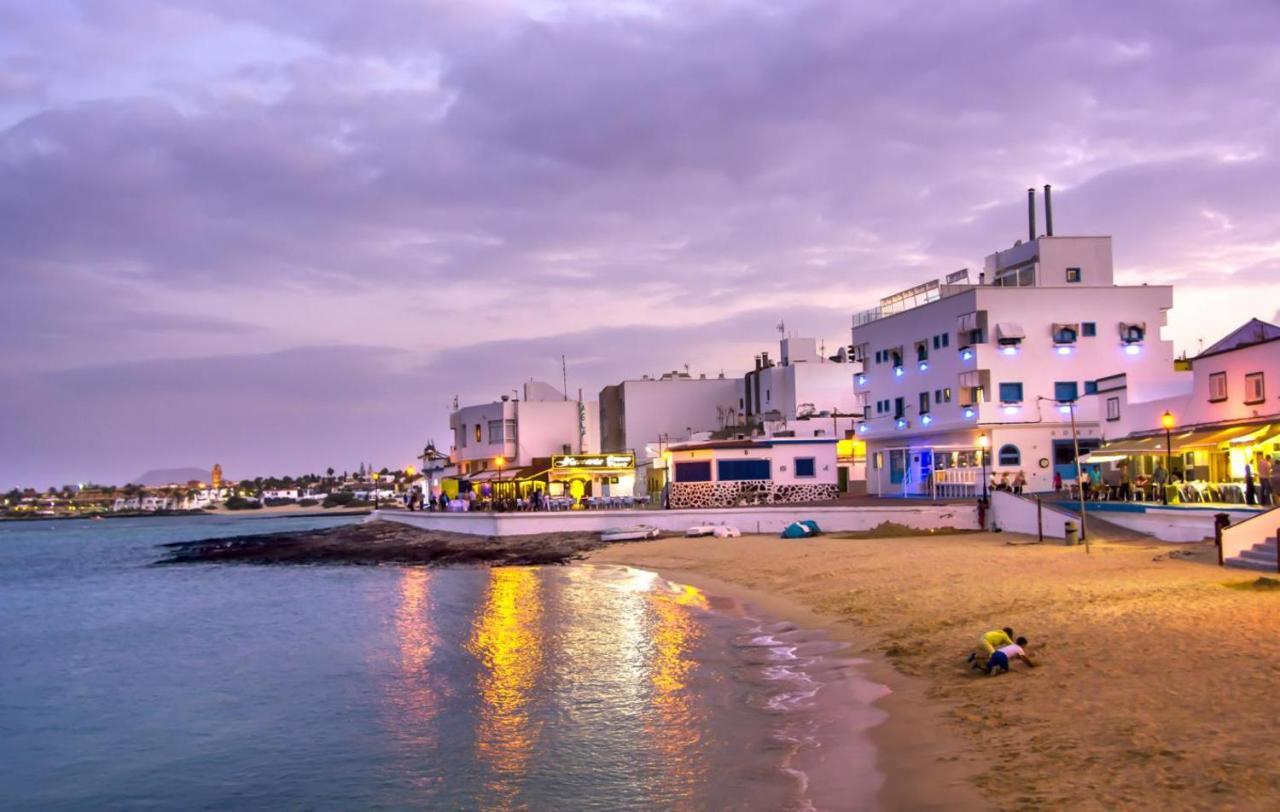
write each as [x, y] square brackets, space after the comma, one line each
[619, 460]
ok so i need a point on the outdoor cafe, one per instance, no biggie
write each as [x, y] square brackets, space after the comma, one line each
[1202, 465]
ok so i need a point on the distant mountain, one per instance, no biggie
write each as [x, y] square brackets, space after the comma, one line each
[169, 476]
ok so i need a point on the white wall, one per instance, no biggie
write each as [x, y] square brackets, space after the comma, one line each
[1017, 514]
[748, 520]
[674, 406]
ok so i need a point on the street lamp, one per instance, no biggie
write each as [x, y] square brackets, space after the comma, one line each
[1166, 420]
[498, 462]
[983, 443]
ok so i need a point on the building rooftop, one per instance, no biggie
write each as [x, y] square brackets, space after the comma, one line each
[1254, 331]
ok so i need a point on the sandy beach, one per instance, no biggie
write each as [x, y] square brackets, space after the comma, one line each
[1157, 669]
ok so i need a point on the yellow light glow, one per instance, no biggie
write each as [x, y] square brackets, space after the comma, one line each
[500, 461]
[983, 441]
[410, 471]
[1166, 420]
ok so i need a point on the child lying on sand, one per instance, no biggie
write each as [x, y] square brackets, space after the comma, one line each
[988, 644]
[1005, 655]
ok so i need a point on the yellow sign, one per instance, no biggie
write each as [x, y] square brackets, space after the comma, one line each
[622, 459]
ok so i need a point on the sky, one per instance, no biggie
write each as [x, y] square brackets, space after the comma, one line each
[284, 235]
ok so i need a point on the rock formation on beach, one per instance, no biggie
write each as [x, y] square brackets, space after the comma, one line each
[383, 543]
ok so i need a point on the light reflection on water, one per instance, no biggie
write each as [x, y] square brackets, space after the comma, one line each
[582, 687]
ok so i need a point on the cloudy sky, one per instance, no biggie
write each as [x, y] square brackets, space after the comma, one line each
[284, 234]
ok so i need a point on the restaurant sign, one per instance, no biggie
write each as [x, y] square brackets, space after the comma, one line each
[602, 461]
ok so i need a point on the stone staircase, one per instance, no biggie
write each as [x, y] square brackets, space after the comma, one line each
[1261, 557]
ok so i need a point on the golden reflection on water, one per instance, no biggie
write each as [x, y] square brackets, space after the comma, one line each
[507, 640]
[413, 695]
[676, 732]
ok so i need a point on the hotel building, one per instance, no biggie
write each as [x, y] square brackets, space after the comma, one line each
[957, 365]
[508, 434]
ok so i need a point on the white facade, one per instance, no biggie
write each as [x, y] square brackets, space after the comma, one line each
[949, 362]
[781, 456]
[541, 424]
[802, 384]
[642, 415]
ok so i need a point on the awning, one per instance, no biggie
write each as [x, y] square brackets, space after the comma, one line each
[530, 472]
[1212, 438]
[1194, 440]
[1125, 447]
[1009, 332]
[483, 476]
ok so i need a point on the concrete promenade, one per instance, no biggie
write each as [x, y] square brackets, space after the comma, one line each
[747, 519]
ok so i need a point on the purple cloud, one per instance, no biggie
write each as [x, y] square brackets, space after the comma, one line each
[249, 179]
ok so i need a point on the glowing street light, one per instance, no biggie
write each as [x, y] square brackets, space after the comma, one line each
[499, 462]
[1167, 421]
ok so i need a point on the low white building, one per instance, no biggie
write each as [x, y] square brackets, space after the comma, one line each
[951, 365]
[729, 473]
[802, 384]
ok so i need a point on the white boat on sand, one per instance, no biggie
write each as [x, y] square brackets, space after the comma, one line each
[634, 533]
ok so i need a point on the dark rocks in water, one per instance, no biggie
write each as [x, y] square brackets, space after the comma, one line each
[383, 543]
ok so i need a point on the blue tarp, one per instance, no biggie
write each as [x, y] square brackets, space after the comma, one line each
[800, 530]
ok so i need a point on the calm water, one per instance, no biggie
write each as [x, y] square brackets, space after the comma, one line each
[133, 687]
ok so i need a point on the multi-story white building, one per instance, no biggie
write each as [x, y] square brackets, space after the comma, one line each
[541, 424]
[649, 414]
[954, 364]
[803, 384]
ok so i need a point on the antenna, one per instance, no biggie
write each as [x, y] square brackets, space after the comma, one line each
[782, 328]
[564, 378]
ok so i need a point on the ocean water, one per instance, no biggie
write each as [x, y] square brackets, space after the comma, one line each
[129, 686]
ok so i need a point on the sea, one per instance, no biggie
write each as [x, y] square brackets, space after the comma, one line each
[126, 685]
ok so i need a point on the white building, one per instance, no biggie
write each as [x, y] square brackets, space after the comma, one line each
[803, 384]
[541, 424]
[648, 414]
[1003, 359]
[729, 473]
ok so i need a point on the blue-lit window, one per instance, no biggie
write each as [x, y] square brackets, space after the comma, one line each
[1066, 391]
[1089, 329]
[1010, 455]
[693, 471]
[739, 470]
[1090, 387]
[806, 466]
[1011, 392]
[1064, 334]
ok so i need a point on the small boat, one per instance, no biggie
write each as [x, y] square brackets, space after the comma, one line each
[725, 532]
[700, 530]
[635, 533]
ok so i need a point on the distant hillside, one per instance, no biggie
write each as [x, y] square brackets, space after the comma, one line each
[168, 476]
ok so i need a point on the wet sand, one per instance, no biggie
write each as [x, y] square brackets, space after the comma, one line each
[1157, 668]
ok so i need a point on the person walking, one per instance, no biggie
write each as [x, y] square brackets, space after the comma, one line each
[1250, 495]
[1265, 471]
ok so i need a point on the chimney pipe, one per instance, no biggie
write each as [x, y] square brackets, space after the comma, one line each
[1048, 213]
[1031, 213]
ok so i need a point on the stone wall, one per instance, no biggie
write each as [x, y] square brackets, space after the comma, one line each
[754, 492]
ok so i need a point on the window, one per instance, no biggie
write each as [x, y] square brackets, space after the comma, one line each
[1011, 392]
[1010, 455]
[1091, 387]
[806, 467]
[1064, 334]
[924, 403]
[877, 356]
[946, 339]
[946, 395]
[1065, 391]
[1089, 329]
[1254, 391]
[1113, 408]
[899, 407]
[1133, 333]
[693, 471]
[495, 431]
[739, 470]
[1217, 386]
[922, 351]
[1073, 275]
[937, 342]
[463, 434]
[896, 355]
[478, 433]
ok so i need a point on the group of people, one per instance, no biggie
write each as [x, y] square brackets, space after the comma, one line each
[484, 499]
[997, 650]
[1005, 483]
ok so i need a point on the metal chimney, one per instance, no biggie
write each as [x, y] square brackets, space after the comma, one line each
[1031, 213]
[1048, 213]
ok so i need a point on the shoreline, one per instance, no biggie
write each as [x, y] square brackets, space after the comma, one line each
[904, 758]
[284, 512]
[1140, 698]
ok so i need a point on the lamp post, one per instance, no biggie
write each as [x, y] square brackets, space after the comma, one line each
[983, 443]
[1166, 420]
[498, 462]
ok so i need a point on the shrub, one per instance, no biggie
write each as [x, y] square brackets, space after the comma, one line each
[308, 502]
[240, 503]
[341, 499]
[279, 502]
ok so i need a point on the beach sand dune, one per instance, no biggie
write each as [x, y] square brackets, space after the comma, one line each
[1158, 681]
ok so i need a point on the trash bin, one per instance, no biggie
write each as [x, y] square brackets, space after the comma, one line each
[1072, 532]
